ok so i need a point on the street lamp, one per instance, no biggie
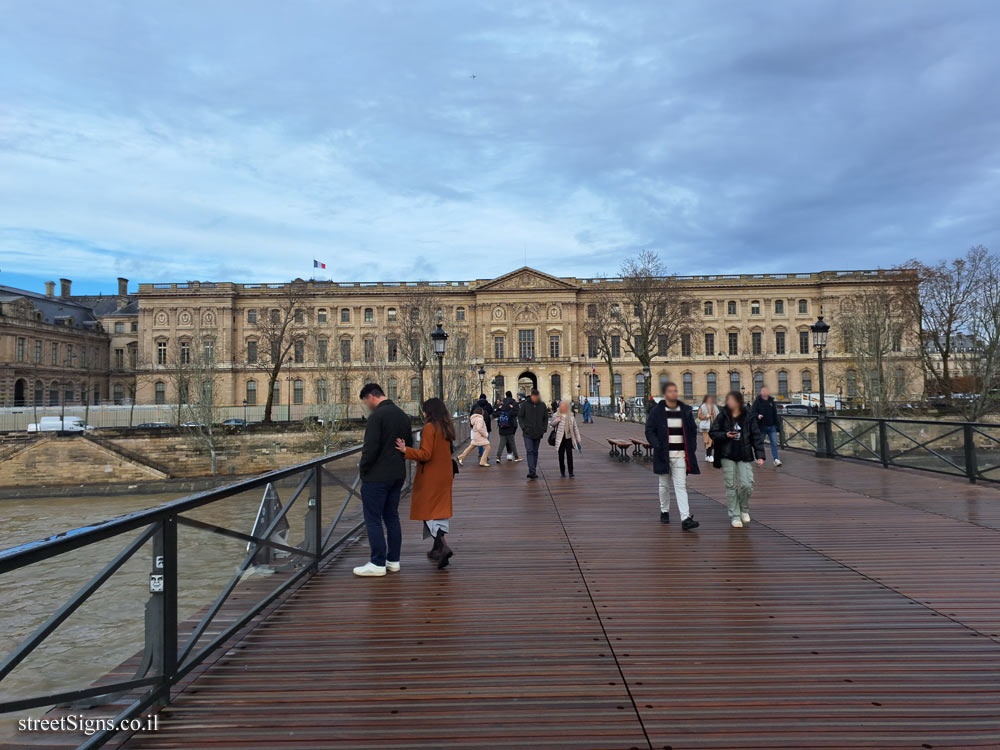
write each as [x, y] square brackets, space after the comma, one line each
[821, 332]
[244, 410]
[482, 376]
[647, 385]
[439, 337]
[288, 408]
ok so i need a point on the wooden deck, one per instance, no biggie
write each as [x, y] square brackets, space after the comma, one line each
[860, 609]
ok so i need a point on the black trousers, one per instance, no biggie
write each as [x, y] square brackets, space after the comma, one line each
[566, 456]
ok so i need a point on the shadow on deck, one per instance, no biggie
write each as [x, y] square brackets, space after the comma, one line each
[861, 608]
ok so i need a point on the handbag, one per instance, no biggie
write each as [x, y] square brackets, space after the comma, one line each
[552, 436]
[454, 463]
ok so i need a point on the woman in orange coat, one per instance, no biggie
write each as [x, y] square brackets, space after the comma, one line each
[431, 499]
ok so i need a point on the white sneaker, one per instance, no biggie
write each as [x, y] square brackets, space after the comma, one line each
[737, 523]
[370, 569]
[744, 516]
[777, 462]
[393, 567]
[460, 462]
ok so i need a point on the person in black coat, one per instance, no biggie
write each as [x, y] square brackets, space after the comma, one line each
[533, 419]
[673, 434]
[484, 404]
[507, 427]
[737, 443]
[765, 413]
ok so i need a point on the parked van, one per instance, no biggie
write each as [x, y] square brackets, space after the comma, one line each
[60, 424]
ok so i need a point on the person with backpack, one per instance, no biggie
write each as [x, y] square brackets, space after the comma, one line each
[738, 443]
[507, 427]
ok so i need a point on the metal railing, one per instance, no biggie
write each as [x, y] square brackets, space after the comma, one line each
[966, 449]
[167, 658]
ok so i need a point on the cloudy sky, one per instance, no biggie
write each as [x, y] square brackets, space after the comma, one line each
[176, 140]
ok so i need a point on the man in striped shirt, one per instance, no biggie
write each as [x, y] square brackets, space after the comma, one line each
[671, 430]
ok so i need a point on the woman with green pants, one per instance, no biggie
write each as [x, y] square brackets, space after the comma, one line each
[737, 442]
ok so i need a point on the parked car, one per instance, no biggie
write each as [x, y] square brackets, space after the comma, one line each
[153, 425]
[60, 424]
[796, 409]
[192, 424]
[235, 422]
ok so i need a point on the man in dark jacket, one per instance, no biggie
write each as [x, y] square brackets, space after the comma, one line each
[671, 431]
[383, 471]
[532, 418]
[507, 426]
[484, 403]
[765, 413]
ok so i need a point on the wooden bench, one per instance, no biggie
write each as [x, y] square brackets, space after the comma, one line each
[642, 448]
[619, 449]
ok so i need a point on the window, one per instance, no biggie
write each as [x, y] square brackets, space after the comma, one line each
[415, 348]
[661, 345]
[38, 352]
[731, 307]
[345, 315]
[782, 384]
[640, 384]
[369, 315]
[637, 310]
[276, 391]
[134, 328]
[252, 317]
[779, 342]
[460, 314]
[755, 307]
[803, 306]
[734, 381]
[393, 387]
[392, 350]
[209, 350]
[554, 347]
[709, 309]
[803, 342]
[555, 383]
[414, 314]
[345, 391]
[69, 355]
[53, 395]
[370, 350]
[321, 316]
[757, 342]
[618, 385]
[807, 382]
[133, 356]
[779, 307]
[185, 352]
[322, 350]
[591, 311]
[734, 343]
[710, 384]
[300, 317]
[119, 359]
[710, 344]
[616, 346]
[526, 343]
[498, 347]
[251, 351]
[637, 345]
[897, 341]
[323, 391]
[758, 381]
[688, 381]
[161, 352]
[119, 328]
[297, 390]
[345, 350]
[852, 384]
[251, 393]
[390, 314]
[685, 344]
[900, 381]
[160, 392]
[414, 389]
[299, 351]
[21, 342]
[593, 347]
[275, 316]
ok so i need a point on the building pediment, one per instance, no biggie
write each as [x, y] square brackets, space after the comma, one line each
[525, 279]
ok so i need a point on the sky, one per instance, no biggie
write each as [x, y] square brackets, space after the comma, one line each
[180, 140]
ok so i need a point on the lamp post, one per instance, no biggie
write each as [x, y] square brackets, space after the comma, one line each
[821, 332]
[647, 386]
[729, 370]
[244, 410]
[439, 337]
[288, 408]
[482, 377]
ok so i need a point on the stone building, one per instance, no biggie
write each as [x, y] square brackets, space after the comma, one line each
[524, 329]
[60, 349]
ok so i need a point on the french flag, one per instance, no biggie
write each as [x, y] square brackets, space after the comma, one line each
[317, 264]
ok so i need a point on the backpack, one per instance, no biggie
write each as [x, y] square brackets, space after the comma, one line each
[504, 418]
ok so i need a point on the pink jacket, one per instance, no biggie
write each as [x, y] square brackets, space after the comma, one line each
[479, 434]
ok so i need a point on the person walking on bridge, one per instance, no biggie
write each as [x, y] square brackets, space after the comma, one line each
[532, 418]
[587, 410]
[738, 443]
[507, 427]
[765, 413]
[567, 436]
[431, 500]
[479, 438]
[383, 471]
[671, 430]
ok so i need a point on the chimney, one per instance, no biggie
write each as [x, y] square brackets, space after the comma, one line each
[64, 287]
[122, 287]
[50, 289]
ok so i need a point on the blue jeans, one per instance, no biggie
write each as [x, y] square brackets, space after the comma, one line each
[772, 436]
[380, 501]
[531, 452]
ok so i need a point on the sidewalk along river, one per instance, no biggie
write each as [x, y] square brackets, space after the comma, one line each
[109, 627]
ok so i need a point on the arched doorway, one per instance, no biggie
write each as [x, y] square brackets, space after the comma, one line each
[20, 386]
[526, 382]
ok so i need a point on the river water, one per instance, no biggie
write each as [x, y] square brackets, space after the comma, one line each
[109, 627]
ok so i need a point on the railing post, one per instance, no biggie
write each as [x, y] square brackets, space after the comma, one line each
[883, 442]
[968, 440]
[318, 510]
[821, 448]
[167, 584]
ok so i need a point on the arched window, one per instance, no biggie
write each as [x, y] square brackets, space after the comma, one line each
[393, 387]
[390, 314]
[711, 386]
[803, 306]
[251, 393]
[321, 316]
[369, 315]
[709, 308]
[758, 381]
[640, 384]
[160, 392]
[345, 315]
[618, 384]
[852, 383]
[556, 385]
[591, 311]
[688, 380]
[323, 391]
[779, 307]
[755, 307]
[297, 391]
[734, 381]
[460, 314]
[731, 307]
[783, 384]
[807, 381]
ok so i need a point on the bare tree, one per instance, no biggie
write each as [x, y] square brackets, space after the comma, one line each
[273, 335]
[419, 314]
[332, 411]
[604, 334]
[981, 365]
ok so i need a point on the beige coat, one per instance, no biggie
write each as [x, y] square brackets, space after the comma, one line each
[565, 426]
